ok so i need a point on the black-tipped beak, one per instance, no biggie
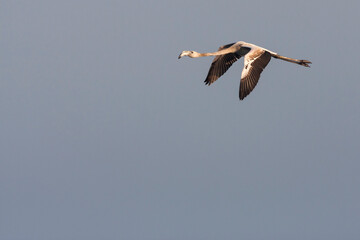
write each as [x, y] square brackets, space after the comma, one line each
[179, 56]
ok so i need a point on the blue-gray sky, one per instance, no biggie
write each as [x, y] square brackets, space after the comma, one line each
[105, 134]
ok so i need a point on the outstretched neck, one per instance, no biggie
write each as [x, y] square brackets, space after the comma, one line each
[221, 52]
[196, 54]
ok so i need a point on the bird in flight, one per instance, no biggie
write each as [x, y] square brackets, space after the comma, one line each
[255, 60]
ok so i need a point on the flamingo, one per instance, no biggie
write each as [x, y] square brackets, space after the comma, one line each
[255, 60]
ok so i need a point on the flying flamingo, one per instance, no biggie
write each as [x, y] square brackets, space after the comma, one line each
[255, 60]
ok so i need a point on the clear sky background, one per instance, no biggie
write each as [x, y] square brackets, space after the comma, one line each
[105, 134]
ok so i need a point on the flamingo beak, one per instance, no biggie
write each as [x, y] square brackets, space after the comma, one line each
[183, 53]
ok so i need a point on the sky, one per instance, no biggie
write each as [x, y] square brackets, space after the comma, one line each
[105, 134]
